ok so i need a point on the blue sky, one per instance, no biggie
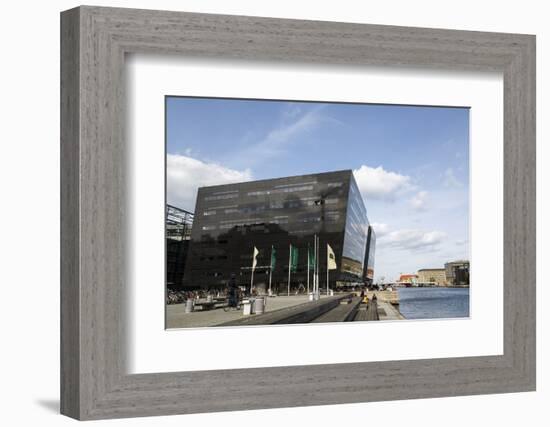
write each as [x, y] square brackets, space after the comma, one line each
[410, 163]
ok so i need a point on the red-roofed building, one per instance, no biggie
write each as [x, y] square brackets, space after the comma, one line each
[408, 278]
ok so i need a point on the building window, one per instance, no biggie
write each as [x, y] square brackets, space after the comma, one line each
[293, 204]
[294, 189]
[294, 185]
[222, 197]
[312, 219]
[257, 193]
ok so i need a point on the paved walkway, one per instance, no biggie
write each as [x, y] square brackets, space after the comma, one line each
[177, 318]
[387, 311]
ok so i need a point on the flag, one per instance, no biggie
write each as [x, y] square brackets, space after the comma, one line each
[293, 259]
[254, 260]
[331, 259]
[273, 255]
[310, 257]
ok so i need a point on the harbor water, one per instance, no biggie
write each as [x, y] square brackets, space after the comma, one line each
[434, 303]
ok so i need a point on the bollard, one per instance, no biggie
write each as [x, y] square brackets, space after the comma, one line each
[259, 305]
[247, 308]
[310, 297]
[189, 305]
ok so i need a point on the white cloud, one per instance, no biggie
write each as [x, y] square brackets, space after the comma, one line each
[286, 132]
[184, 175]
[378, 183]
[380, 229]
[450, 179]
[413, 239]
[419, 200]
[278, 140]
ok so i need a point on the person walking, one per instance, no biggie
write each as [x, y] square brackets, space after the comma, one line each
[232, 293]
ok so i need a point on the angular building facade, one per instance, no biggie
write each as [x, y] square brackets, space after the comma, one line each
[270, 215]
[369, 257]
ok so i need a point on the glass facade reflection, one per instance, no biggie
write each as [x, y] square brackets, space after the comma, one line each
[355, 235]
[370, 252]
[179, 224]
[230, 220]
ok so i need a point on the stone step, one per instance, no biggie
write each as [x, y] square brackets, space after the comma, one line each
[344, 312]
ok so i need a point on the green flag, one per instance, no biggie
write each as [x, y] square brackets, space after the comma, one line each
[293, 259]
[310, 257]
[273, 255]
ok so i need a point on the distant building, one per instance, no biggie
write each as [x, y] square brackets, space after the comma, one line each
[435, 276]
[457, 273]
[233, 219]
[408, 278]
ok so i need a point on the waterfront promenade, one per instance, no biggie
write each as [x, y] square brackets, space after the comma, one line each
[294, 309]
[388, 305]
[177, 318]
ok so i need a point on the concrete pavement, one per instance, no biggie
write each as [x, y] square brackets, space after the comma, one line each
[177, 318]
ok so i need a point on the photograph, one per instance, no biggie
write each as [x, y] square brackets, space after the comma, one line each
[295, 212]
[266, 215]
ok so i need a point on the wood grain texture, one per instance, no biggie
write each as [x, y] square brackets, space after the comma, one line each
[70, 314]
[94, 382]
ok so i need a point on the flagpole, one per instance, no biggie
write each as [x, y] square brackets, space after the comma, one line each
[317, 294]
[314, 264]
[254, 254]
[252, 280]
[308, 269]
[327, 270]
[289, 257]
[318, 263]
[270, 270]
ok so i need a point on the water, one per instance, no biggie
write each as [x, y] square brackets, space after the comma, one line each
[434, 303]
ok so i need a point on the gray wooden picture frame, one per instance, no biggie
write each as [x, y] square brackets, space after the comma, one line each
[94, 381]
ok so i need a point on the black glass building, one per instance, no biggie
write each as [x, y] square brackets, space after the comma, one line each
[231, 220]
[369, 256]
